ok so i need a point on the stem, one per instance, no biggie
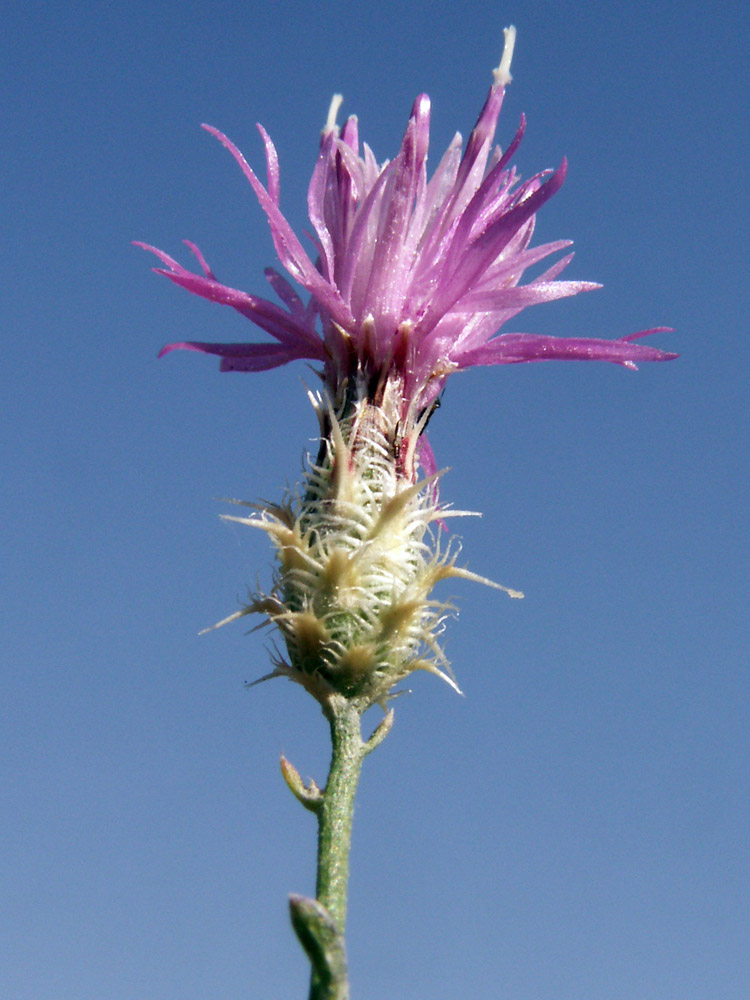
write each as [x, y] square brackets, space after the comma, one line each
[337, 810]
[320, 923]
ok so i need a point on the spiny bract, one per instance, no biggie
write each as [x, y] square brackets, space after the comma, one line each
[358, 559]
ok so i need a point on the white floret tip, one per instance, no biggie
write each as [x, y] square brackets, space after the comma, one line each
[333, 109]
[502, 73]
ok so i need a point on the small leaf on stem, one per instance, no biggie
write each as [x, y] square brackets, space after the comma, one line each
[309, 795]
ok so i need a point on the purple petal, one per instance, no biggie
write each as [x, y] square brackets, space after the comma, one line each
[521, 296]
[385, 292]
[516, 348]
[288, 329]
[480, 141]
[272, 165]
[426, 457]
[291, 252]
[354, 269]
[241, 357]
[647, 333]
[465, 264]
[316, 204]
[285, 292]
[490, 194]
[201, 259]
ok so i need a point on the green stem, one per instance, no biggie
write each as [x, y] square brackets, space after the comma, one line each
[320, 924]
[337, 810]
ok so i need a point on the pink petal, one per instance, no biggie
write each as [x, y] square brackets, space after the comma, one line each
[515, 348]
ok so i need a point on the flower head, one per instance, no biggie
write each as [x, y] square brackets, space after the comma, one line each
[413, 278]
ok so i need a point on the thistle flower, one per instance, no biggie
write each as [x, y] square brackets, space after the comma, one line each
[413, 278]
[411, 281]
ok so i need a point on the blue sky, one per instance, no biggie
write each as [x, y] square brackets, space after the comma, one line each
[576, 826]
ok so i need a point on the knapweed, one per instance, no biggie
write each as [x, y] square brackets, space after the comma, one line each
[411, 280]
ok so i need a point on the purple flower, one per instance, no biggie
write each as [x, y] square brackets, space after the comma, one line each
[412, 278]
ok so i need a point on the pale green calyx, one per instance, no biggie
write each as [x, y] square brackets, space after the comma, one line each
[358, 558]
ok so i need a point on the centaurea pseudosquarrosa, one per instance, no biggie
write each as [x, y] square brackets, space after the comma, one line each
[411, 281]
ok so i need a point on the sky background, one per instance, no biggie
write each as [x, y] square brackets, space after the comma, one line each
[576, 827]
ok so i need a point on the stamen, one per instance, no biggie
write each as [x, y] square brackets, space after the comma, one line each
[502, 73]
[333, 110]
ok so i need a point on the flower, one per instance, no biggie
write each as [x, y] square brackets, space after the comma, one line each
[413, 278]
